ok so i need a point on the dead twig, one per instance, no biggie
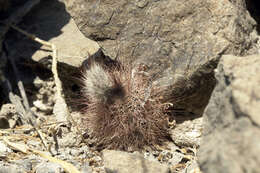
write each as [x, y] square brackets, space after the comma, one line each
[60, 108]
[30, 116]
[25, 113]
[16, 100]
[61, 112]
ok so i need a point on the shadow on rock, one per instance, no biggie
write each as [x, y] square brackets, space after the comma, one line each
[45, 21]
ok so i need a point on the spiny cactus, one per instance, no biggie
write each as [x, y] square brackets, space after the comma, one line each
[123, 111]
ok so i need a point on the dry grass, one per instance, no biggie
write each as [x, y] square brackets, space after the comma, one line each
[121, 111]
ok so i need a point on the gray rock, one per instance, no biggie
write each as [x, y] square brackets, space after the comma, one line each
[123, 162]
[48, 167]
[68, 140]
[165, 27]
[27, 164]
[8, 168]
[231, 140]
[179, 41]
[4, 124]
[188, 133]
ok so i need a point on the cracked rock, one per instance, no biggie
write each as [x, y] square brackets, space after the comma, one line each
[231, 140]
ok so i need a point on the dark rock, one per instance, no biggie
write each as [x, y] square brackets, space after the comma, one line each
[253, 7]
[231, 141]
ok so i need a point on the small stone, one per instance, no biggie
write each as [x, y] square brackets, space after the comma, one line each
[188, 133]
[25, 163]
[48, 167]
[4, 150]
[4, 168]
[7, 116]
[7, 110]
[75, 152]
[41, 106]
[70, 139]
[86, 168]
[38, 83]
[123, 162]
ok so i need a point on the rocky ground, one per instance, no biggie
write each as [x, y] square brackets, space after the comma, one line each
[68, 143]
[182, 42]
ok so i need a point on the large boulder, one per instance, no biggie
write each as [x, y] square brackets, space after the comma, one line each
[179, 41]
[231, 140]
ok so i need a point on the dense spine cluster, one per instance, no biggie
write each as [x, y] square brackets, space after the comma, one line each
[123, 111]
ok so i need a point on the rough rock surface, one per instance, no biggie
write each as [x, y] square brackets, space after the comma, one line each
[50, 21]
[5, 167]
[202, 28]
[231, 141]
[188, 133]
[179, 41]
[48, 167]
[173, 38]
[123, 162]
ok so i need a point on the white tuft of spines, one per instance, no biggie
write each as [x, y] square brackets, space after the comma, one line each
[97, 81]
